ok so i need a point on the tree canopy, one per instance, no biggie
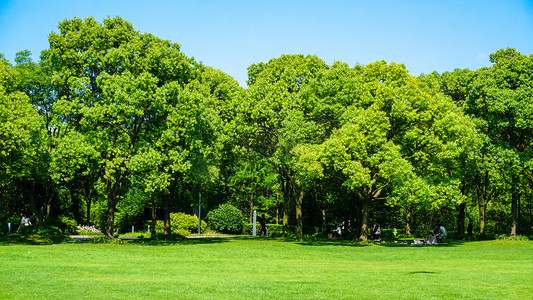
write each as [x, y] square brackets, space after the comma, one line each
[112, 121]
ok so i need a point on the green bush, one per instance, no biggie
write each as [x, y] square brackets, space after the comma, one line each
[182, 224]
[47, 230]
[512, 238]
[226, 219]
[15, 222]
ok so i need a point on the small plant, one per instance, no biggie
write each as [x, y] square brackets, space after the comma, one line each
[182, 224]
[70, 225]
[226, 219]
[88, 230]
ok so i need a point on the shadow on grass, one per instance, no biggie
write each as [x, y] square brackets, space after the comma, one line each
[354, 243]
[34, 239]
[308, 241]
[18, 239]
[422, 272]
[409, 243]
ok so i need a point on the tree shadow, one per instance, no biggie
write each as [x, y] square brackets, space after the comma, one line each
[316, 242]
[41, 240]
[355, 243]
[35, 239]
[410, 243]
[422, 272]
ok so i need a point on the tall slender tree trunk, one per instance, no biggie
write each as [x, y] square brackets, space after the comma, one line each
[277, 208]
[299, 218]
[461, 212]
[285, 217]
[515, 198]
[251, 208]
[252, 195]
[482, 210]
[166, 213]
[324, 227]
[87, 192]
[154, 221]
[365, 209]
[408, 218]
[285, 188]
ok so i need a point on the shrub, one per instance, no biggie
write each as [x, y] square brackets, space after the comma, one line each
[182, 224]
[226, 219]
[512, 238]
[46, 230]
[15, 222]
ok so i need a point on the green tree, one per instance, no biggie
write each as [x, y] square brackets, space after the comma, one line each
[113, 84]
[500, 99]
[271, 120]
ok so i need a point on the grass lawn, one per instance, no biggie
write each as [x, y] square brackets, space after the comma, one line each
[263, 268]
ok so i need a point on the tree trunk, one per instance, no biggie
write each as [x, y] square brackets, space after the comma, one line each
[324, 227]
[408, 215]
[461, 212]
[88, 197]
[251, 208]
[285, 217]
[365, 209]
[252, 195]
[277, 208]
[166, 213]
[50, 194]
[482, 210]
[29, 192]
[154, 221]
[515, 198]
[111, 205]
[299, 219]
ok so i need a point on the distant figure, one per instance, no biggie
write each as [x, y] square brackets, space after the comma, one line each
[469, 228]
[337, 232]
[439, 232]
[262, 223]
[24, 221]
[375, 231]
[432, 239]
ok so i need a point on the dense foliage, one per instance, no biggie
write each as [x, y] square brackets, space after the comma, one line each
[182, 224]
[226, 219]
[115, 128]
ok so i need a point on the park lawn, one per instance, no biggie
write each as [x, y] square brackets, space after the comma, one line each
[263, 268]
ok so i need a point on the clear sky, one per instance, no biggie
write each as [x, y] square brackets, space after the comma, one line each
[425, 35]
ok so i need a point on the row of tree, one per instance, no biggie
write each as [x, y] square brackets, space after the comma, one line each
[111, 121]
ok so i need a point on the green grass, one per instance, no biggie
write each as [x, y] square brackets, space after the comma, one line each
[259, 268]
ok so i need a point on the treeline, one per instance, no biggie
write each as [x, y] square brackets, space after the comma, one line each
[111, 122]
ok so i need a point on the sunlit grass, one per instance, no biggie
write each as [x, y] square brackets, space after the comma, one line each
[245, 268]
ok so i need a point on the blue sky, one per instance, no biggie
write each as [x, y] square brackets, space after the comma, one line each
[426, 35]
